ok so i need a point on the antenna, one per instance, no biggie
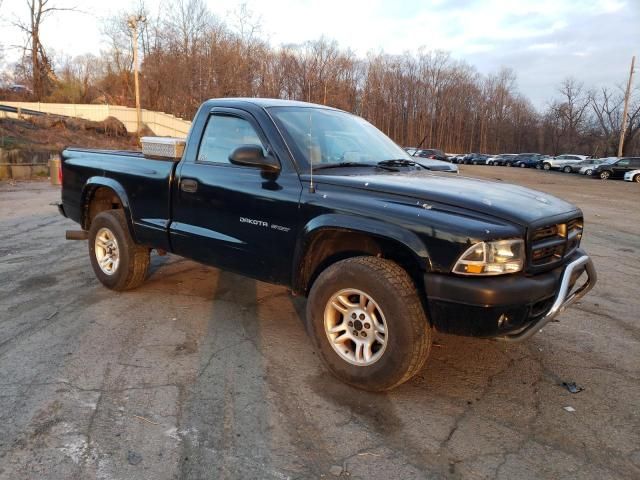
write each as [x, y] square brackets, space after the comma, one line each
[312, 187]
[419, 145]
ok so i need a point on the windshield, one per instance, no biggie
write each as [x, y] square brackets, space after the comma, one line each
[324, 137]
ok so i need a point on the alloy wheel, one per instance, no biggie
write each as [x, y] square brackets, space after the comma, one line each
[355, 327]
[107, 251]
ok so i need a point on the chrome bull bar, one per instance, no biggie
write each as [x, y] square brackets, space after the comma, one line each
[564, 298]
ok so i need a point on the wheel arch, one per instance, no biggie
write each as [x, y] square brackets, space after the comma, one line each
[100, 194]
[330, 238]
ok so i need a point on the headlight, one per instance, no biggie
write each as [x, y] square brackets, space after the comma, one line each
[492, 258]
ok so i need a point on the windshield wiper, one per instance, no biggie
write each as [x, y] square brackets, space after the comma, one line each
[354, 164]
[399, 162]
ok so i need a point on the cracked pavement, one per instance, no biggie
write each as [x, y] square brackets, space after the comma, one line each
[206, 374]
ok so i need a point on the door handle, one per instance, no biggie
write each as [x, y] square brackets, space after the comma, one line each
[189, 186]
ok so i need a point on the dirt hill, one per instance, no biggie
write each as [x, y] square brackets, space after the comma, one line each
[52, 134]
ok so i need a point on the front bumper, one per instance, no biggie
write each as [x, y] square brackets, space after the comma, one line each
[511, 308]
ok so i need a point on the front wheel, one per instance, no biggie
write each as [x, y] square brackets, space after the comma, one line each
[367, 322]
[637, 178]
[118, 262]
[546, 166]
[508, 164]
[522, 165]
[605, 174]
[589, 172]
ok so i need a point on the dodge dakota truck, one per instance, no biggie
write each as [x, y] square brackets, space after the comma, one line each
[320, 201]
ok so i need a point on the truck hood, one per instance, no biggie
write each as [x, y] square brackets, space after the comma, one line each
[506, 201]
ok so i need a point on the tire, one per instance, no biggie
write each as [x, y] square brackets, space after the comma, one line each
[490, 163]
[407, 334]
[546, 166]
[508, 164]
[522, 165]
[538, 167]
[588, 172]
[566, 169]
[125, 264]
[605, 175]
[636, 178]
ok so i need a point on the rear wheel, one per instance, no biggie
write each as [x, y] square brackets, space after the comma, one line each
[605, 174]
[117, 261]
[566, 169]
[546, 166]
[589, 172]
[367, 322]
[522, 165]
[508, 164]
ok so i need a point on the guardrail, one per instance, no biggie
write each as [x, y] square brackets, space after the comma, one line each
[18, 110]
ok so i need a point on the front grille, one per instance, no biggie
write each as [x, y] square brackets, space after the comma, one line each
[551, 244]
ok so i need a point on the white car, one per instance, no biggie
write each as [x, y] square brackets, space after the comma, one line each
[632, 176]
[561, 161]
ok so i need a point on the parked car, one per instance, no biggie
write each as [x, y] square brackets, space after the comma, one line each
[560, 161]
[526, 160]
[575, 167]
[500, 159]
[632, 176]
[370, 239]
[478, 159]
[429, 163]
[433, 153]
[464, 158]
[588, 169]
[474, 158]
[616, 169]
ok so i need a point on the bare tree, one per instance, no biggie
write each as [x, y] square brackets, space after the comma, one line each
[607, 107]
[41, 69]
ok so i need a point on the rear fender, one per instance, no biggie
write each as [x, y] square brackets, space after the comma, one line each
[89, 189]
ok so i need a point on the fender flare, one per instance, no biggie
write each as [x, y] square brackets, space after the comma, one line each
[356, 224]
[96, 182]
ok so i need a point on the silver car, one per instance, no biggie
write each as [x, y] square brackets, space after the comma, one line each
[561, 161]
[588, 169]
[632, 176]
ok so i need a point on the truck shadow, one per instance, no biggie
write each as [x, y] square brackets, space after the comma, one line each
[262, 395]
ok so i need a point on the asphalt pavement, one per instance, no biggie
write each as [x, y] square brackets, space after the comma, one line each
[201, 373]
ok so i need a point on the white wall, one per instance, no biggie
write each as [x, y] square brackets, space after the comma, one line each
[162, 124]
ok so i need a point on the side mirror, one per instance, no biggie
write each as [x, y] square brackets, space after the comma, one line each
[252, 156]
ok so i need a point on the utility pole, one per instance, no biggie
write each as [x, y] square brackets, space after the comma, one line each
[134, 20]
[623, 127]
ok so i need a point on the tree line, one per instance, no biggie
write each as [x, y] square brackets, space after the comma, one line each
[426, 98]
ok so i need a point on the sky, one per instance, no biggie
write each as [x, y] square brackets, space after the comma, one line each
[543, 41]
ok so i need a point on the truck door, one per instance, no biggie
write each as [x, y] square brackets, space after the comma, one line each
[235, 217]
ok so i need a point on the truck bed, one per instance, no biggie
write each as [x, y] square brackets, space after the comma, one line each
[143, 184]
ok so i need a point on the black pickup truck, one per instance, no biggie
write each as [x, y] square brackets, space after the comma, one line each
[320, 201]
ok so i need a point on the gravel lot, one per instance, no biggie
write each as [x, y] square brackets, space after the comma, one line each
[205, 374]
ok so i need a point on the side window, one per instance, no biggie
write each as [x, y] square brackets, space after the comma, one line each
[623, 163]
[635, 162]
[222, 135]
